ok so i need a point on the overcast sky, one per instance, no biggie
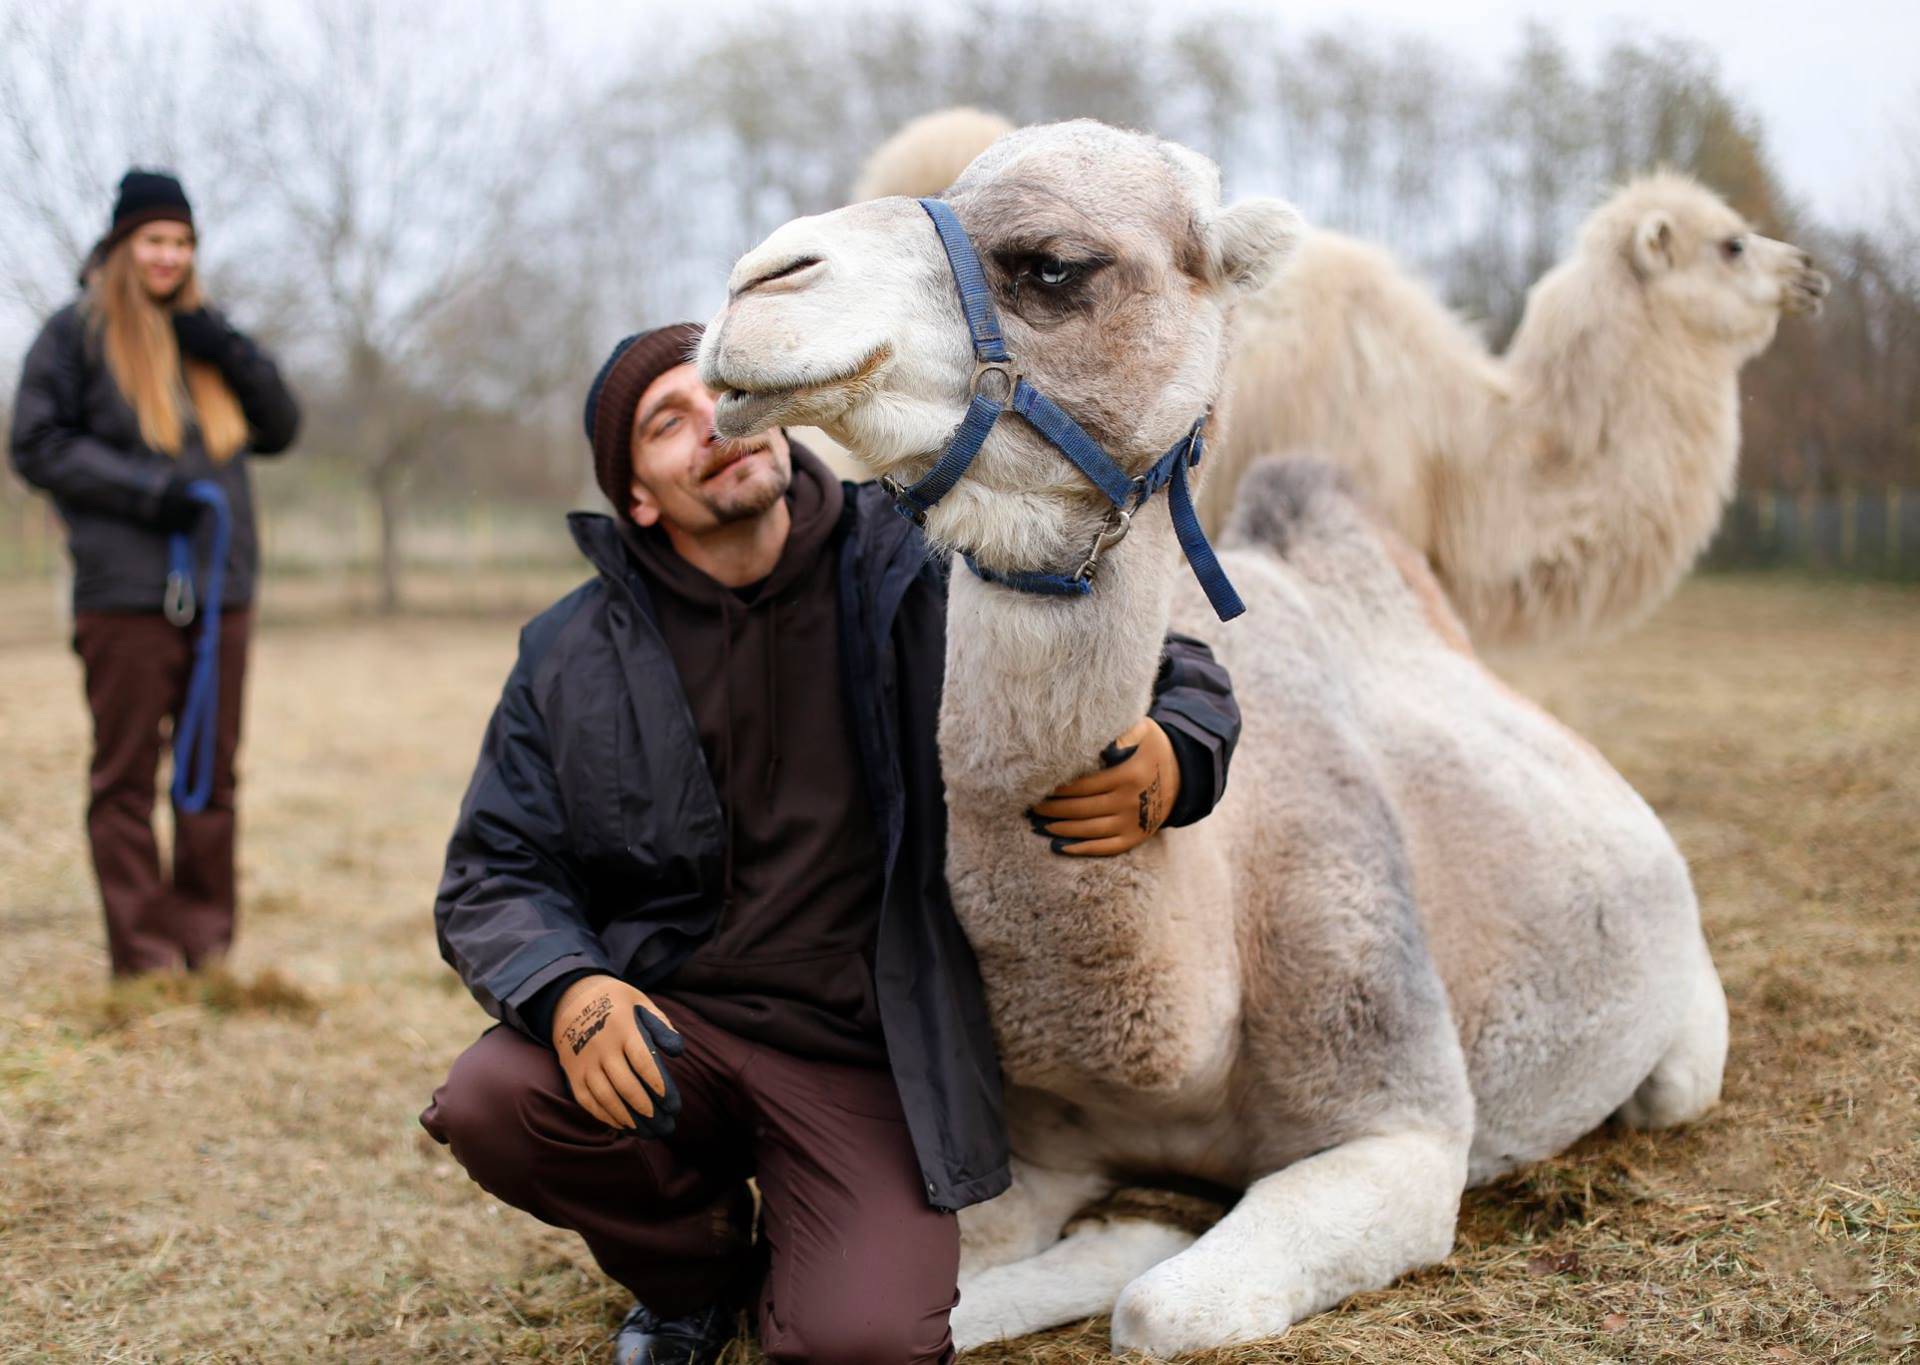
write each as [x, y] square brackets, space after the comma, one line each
[1831, 79]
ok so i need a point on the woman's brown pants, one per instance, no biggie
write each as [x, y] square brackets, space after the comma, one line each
[137, 665]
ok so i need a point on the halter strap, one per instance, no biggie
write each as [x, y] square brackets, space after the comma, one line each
[970, 278]
[1008, 389]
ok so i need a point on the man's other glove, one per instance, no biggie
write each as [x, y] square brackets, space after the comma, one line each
[612, 1043]
[1121, 805]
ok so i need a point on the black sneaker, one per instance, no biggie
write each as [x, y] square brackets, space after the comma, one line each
[646, 1338]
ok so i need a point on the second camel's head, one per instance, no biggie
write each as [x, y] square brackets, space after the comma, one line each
[1699, 265]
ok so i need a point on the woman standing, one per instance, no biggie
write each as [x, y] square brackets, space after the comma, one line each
[133, 398]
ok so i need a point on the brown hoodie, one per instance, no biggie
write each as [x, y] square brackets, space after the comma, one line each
[790, 964]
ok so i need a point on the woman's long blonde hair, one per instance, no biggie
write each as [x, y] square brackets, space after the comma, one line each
[136, 333]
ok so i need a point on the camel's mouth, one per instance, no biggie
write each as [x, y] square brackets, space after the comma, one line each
[1806, 293]
[745, 407]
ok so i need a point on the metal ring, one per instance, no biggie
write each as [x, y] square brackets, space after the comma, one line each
[1008, 376]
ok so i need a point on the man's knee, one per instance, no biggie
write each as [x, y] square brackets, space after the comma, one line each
[860, 1327]
[486, 1111]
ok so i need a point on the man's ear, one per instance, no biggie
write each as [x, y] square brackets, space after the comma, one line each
[1254, 240]
[1653, 244]
[641, 506]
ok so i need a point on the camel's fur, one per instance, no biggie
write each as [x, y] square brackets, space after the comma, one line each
[1428, 935]
[928, 153]
[1561, 489]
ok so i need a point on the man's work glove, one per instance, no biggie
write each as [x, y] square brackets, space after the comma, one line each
[610, 1039]
[1120, 806]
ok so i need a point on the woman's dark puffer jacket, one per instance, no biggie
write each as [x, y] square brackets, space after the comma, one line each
[76, 436]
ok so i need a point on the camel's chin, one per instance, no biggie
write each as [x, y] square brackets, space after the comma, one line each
[742, 411]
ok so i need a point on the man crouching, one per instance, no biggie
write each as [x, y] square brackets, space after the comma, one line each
[698, 879]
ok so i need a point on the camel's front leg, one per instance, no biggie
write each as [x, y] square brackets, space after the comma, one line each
[1077, 1277]
[1350, 1218]
[1026, 1219]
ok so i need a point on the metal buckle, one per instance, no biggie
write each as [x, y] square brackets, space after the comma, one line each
[1119, 522]
[1009, 376]
[177, 603]
[894, 489]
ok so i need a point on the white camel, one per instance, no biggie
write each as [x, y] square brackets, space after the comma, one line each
[1563, 488]
[1427, 936]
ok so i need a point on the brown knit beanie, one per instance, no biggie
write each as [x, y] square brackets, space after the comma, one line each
[636, 362]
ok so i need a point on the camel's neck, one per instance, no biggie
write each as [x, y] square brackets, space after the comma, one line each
[1607, 472]
[1036, 686]
[1612, 380]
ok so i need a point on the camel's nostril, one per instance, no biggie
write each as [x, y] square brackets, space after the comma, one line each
[785, 270]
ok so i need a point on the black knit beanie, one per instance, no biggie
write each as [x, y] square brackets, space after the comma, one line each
[636, 362]
[145, 197]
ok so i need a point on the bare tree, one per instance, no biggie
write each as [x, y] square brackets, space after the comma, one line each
[81, 99]
[411, 164]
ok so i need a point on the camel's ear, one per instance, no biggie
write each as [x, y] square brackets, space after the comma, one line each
[1253, 241]
[1653, 244]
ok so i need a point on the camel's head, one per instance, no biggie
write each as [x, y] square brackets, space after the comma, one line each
[1114, 269]
[1701, 264]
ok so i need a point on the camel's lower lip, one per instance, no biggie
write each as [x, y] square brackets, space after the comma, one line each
[742, 412]
[1807, 294]
[738, 413]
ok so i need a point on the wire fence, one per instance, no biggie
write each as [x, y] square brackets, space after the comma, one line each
[1866, 533]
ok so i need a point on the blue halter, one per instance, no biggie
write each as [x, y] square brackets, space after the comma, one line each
[1009, 390]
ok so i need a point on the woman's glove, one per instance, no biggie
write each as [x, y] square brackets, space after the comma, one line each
[1120, 806]
[202, 334]
[610, 1040]
[179, 509]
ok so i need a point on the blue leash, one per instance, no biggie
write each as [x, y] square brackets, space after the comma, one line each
[194, 735]
[1009, 391]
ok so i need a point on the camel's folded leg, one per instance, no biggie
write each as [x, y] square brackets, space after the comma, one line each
[1302, 1239]
[1077, 1277]
[1027, 1218]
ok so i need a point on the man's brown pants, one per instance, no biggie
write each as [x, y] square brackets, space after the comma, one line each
[859, 1268]
[137, 665]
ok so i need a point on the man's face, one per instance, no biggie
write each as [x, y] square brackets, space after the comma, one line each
[685, 476]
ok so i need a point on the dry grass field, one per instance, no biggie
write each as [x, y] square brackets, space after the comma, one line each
[230, 1170]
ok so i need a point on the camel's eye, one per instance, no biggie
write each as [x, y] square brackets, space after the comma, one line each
[1734, 247]
[1045, 288]
[1054, 273]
